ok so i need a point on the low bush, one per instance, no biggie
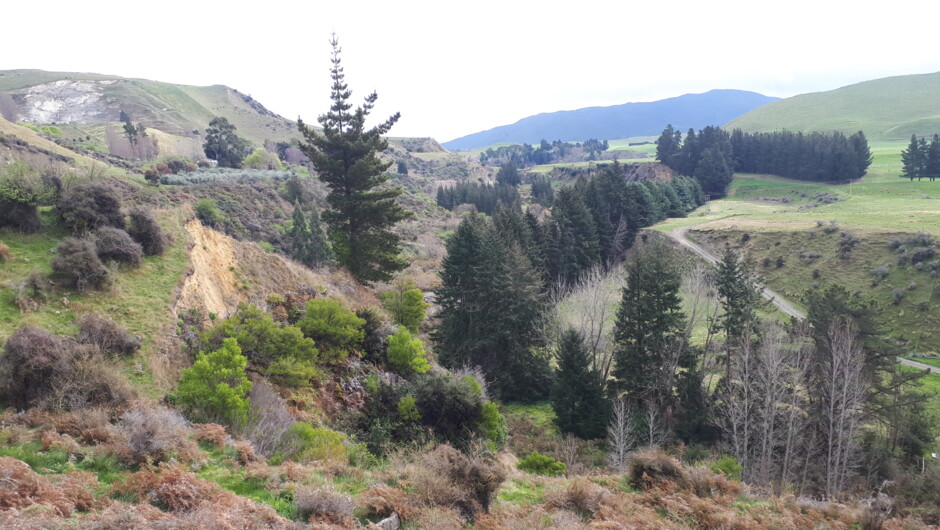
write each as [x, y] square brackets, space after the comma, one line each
[86, 381]
[540, 464]
[152, 434]
[32, 357]
[467, 482]
[269, 421]
[145, 229]
[335, 329]
[310, 443]
[208, 212]
[215, 388]
[89, 207]
[77, 264]
[106, 334]
[5, 253]
[323, 504]
[650, 467]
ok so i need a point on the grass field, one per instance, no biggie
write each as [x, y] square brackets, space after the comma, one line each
[782, 217]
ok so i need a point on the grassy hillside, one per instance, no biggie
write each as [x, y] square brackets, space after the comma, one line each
[892, 108]
[803, 223]
[175, 109]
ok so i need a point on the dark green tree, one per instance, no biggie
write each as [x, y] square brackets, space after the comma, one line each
[912, 159]
[932, 158]
[509, 175]
[714, 171]
[648, 331]
[222, 144]
[668, 145]
[577, 394]
[492, 303]
[739, 294]
[362, 210]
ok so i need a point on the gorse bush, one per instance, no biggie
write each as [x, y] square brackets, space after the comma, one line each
[22, 190]
[41, 369]
[106, 334]
[114, 244]
[145, 229]
[310, 443]
[90, 206]
[77, 265]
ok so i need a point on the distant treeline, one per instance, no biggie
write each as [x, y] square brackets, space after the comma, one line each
[486, 197]
[526, 155]
[592, 221]
[713, 155]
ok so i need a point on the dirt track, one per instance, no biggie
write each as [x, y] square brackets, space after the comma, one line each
[679, 234]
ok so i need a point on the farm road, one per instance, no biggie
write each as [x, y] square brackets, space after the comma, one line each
[679, 234]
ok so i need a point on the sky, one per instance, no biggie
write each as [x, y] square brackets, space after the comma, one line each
[455, 68]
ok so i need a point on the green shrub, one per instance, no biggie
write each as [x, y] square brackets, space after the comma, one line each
[208, 212]
[51, 130]
[540, 464]
[493, 424]
[317, 444]
[727, 465]
[335, 328]
[282, 351]
[405, 304]
[216, 388]
[22, 190]
[260, 158]
[406, 353]
[407, 409]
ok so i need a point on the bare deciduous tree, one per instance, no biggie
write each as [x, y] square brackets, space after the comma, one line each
[842, 397]
[589, 306]
[620, 434]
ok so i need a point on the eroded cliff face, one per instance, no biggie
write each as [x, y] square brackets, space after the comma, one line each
[226, 273]
[64, 101]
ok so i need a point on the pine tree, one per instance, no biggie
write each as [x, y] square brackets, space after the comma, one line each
[714, 171]
[508, 175]
[345, 156]
[912, 159]
[492, 303]
[668, 145]
[649, 324]
[932, 159]
[320, 251]
[300, 235]
[739, 294]
[577, 393]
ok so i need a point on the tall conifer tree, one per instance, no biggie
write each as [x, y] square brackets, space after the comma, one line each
[345, 156]
[577, 394]
[649, 324]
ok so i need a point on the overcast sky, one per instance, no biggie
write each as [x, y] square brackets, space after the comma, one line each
[456, 68]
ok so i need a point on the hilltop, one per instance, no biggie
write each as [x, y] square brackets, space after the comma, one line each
[83, 103]
[621, 121]
[892, 108]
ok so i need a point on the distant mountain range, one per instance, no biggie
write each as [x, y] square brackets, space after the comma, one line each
[891, 108]
[715, 107]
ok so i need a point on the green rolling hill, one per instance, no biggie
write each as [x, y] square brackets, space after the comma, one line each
[80, 99]
[892, 108]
